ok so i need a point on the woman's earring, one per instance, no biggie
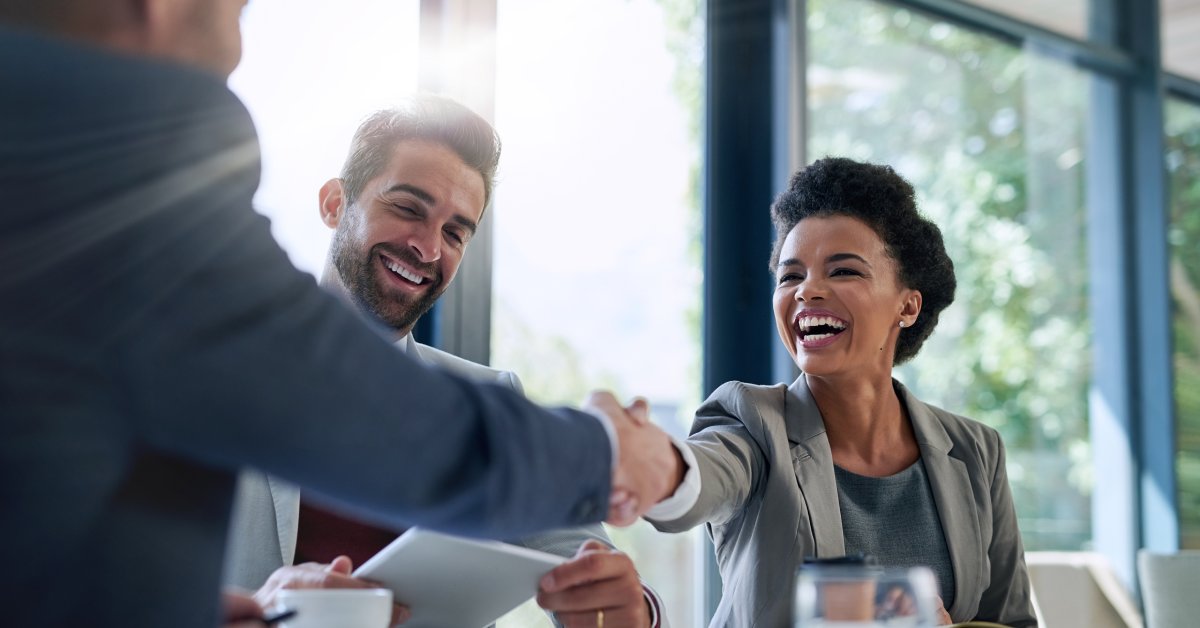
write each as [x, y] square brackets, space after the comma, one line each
[902, 323]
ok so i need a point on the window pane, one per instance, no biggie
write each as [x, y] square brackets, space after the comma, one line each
[992, 139]
[596, 255]
[307, 99]
[1181, 37]
[1069, 17]
[1183, 163]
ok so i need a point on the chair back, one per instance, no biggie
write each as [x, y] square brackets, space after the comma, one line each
[1079, 589]
[1170, 586]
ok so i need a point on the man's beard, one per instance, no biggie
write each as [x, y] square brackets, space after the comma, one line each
[359, 275]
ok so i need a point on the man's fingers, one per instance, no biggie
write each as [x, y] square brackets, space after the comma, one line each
[238, 606]
[604, 401]
[341, 565]
[400, 614]
[587, 566]
[593, 596]
[592, 545]
[624, 513]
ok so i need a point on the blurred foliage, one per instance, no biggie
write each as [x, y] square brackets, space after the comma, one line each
[991, 138]
[1183, 164]
[551, 370]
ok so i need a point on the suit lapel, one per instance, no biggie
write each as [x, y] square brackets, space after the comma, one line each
[286, 500]
[951, 486]
[813, 463]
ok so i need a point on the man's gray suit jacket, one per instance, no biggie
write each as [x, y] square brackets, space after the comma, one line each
[769, 498]
[154, 339]
[266, 510]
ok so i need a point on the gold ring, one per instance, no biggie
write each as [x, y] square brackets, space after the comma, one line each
[599, 619]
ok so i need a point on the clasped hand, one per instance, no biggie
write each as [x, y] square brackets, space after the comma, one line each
[648, 467]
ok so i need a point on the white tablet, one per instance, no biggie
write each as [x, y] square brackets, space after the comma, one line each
[453, 582]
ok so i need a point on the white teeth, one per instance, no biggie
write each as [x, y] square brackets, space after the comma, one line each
[812, 337]
[399, 270]
[808, 322]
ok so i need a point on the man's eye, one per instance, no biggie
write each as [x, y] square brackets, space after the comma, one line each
[405, 209]
[455, 237]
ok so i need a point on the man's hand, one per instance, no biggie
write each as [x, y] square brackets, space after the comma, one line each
[598, 579]
[335, 575]
[648, 468]
[240, 610]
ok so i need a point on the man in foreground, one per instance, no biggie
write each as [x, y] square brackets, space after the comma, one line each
[154, 339]
[410, 196]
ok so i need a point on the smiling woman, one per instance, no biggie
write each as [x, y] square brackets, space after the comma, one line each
[845, 460]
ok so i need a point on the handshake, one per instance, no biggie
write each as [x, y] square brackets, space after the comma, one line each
[648, 468]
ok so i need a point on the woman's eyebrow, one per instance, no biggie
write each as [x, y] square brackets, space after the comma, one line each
[840, 257]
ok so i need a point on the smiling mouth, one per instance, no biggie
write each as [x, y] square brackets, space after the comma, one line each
[816, 328]
[401, 271]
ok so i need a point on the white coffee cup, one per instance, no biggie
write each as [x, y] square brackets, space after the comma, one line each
[337, 608]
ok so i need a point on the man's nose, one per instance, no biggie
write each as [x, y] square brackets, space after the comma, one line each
[427, 243]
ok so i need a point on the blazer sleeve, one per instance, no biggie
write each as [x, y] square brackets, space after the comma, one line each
[230, 356]
[730, 461]
[1006, 600]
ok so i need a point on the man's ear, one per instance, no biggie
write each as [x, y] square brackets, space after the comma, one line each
[332, 202]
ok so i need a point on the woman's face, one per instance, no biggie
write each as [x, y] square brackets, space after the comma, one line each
[838, 300]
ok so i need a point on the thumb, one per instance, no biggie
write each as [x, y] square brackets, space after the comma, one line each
[639, 410]
[341, 565]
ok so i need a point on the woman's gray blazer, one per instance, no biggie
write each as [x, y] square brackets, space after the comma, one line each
[769, 499]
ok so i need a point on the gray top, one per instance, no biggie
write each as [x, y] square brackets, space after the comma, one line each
[895, 520]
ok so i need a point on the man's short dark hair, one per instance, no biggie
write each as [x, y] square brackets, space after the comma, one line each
[422, 117]
[876, 195]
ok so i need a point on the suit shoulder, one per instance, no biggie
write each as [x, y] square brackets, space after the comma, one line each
[463, 367]
[752, 404]
[744, 392]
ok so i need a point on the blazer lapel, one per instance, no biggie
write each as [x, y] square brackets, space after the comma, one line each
[951, 486]
[813, 463]
[286, 500]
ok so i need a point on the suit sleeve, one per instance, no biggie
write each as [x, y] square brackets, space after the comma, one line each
[1007, 598]
[729, 460]
[231, 356]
